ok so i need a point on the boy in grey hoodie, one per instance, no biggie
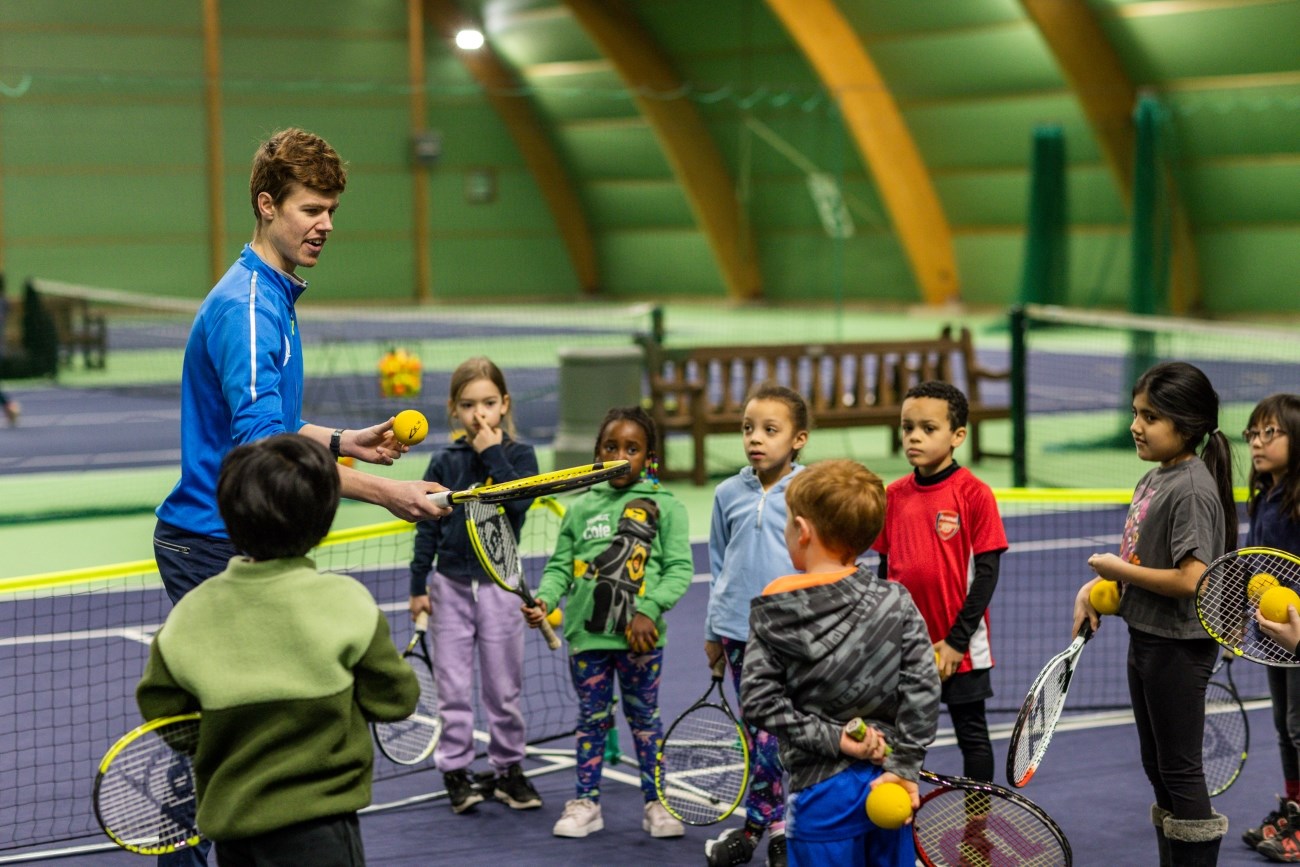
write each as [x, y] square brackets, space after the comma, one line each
[831, 644]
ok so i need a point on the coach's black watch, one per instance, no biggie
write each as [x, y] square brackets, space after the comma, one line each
[336, 440]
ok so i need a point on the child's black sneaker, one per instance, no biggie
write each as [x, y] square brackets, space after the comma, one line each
[514, 790]
[460, 791]
[1273, 824]
[735, 846]
[776, 850]
[1283, 847]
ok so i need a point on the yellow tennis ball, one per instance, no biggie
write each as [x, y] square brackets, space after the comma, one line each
[889, 806]
[556, 617]
[410, 426]
[1261, 582]
[1274, 601]
[1104, 596]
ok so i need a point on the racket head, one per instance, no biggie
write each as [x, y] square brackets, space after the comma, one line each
[144, 796]
[702, 768]
[965, 822]
[542, 484]
[1041, 710]
[1227, 597]
[493, 540]
[412, 740]
[1227, 737]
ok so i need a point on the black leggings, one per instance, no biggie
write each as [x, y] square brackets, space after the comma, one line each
[334, 841]
[1166, 683]
[972, 730]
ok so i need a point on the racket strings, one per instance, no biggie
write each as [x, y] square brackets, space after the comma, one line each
[1229, 594]
[411, 741]
[704, 766]
[1226, 738]
[146, 797]
[964, 827]
[1040, 722]
[498, 543]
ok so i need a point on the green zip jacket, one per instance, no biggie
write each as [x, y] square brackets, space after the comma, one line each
[288, 667]
[620, 553]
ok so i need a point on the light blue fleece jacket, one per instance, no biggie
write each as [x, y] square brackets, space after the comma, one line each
[746, 550]
[241, 381]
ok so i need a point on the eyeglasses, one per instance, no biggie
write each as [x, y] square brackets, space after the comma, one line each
[1266, 435]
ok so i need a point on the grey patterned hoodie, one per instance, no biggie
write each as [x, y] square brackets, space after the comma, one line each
[820, 655]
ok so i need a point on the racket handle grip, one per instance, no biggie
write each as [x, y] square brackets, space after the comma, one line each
[856, 728]
[552, 640]
[422, 621]
[442, 499]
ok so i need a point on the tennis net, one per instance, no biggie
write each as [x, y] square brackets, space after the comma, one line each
[121, 420]
[73, 646]
[1075, 372]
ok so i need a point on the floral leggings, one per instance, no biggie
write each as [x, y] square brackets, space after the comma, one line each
[593, 673]
[765, 805]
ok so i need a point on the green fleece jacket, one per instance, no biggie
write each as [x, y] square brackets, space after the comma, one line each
[620, 553]
[288, 666]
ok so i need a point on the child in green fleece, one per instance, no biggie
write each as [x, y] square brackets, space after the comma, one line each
[623, 558]
[288, 666]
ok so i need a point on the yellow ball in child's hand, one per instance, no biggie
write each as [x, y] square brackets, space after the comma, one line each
[889, 806]
[1273, 603]
[1104, 596]
[410, 426]
[556, 617]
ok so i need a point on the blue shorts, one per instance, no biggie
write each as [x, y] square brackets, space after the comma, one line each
[827, 824]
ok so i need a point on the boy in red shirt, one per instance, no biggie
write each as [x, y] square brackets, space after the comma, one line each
[942, 540]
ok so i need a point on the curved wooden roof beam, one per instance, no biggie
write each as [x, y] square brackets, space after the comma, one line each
[685, 139]
[530, 136]
[1096, 74]
[883, 140]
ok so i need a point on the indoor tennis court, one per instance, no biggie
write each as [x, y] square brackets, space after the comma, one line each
[643, 202]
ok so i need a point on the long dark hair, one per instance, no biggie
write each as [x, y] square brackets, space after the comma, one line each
[1284, 410]
[1182, 393]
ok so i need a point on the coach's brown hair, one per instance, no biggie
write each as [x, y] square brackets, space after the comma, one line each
[295, 156]
[843, 500]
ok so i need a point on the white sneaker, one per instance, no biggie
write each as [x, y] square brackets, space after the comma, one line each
[658, 822]
[581, 817]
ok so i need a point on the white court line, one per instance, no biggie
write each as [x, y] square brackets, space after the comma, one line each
[142, 634]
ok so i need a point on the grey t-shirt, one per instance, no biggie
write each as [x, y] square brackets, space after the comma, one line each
[1175, 512]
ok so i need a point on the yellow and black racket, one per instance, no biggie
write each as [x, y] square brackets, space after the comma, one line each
[412, 740]
[703, 766]
[539, 485]
[1229, 593]
[1227, 731]
[144, 796]
[494, 543]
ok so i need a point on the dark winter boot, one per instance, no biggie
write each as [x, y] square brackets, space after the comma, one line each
[1195, 842]
[1158, 816]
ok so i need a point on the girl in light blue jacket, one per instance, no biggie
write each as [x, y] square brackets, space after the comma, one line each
[747, 551]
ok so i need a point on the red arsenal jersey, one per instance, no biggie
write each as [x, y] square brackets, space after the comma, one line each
[931, 533]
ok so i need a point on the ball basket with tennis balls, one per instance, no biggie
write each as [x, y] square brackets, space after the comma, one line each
[1274, 601]
[410, 426]
[889, 806]
[1104, 596]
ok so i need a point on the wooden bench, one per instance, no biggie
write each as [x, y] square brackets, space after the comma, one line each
[700, 390]
[79, 330]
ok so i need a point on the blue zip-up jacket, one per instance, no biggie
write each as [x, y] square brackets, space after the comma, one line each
[458, 467]
[241, 381]
[746, 550]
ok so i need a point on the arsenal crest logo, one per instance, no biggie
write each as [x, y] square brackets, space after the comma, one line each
[946, 524]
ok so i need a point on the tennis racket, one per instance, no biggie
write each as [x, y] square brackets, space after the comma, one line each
[1227, 731]
[1041, 710]
[966, 822]
[494, 543]
[144, 794]
[411, 741]
[703, 766]
[535, 486]
[1228, 595]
